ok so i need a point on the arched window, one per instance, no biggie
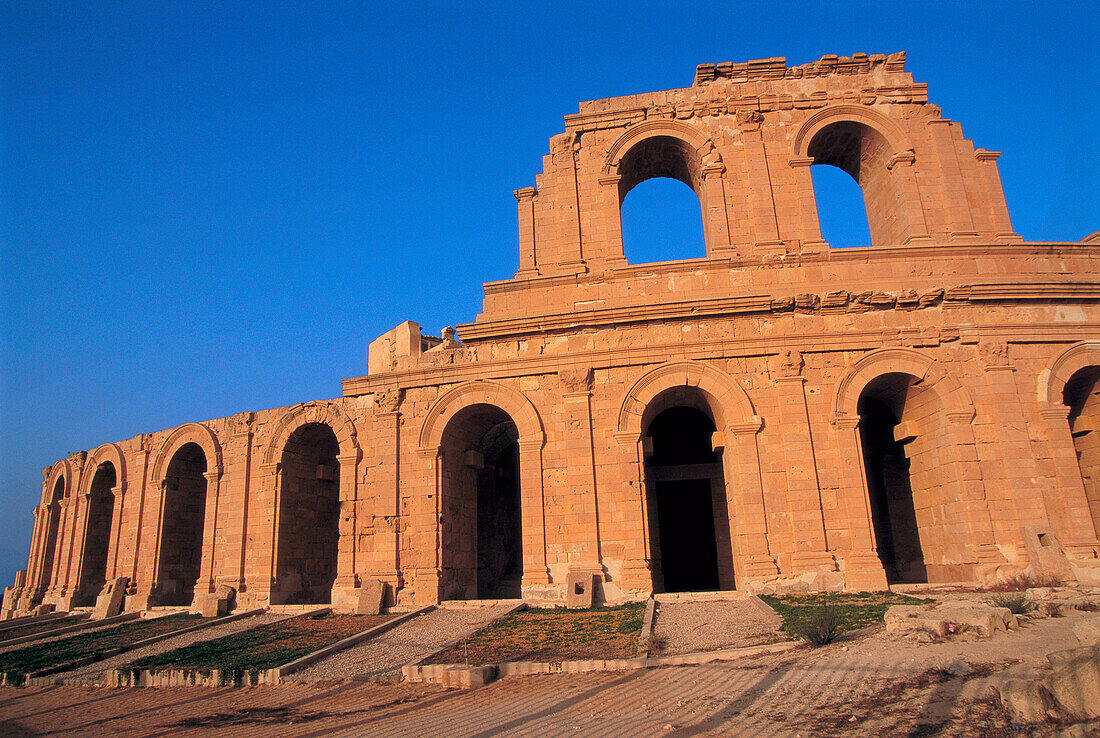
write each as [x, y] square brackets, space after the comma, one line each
[662, 222]
[840, 208]
[865, 154]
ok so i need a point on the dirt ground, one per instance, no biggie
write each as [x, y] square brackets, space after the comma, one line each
[878, 684]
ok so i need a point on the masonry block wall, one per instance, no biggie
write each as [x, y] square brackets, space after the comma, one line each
[780, 414]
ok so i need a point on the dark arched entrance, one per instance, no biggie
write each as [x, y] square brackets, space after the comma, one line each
[97, 534]
[309, 517]
[182, 524]
[481, 531]
[685, 492]
[1082, 396]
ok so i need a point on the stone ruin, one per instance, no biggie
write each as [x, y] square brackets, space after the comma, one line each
[779, 414]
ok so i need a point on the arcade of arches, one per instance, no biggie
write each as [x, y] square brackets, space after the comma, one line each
[774, 414]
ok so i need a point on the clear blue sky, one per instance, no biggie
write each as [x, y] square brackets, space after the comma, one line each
[208, 209]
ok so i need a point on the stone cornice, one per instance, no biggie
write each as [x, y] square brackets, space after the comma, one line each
[807, 343]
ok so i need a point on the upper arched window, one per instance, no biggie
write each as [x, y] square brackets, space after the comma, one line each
[865, 155]
[662, 220]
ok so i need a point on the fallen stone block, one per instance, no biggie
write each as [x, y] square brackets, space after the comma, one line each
[372, 596]
[1088, 631]
[111, 599]
[1070, 693]
[580, 590]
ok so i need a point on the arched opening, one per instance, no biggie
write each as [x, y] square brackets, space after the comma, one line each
[688, 521]
[840, 209]
[481, 527]
[906, 454]
[45, 575]
[309, 517]
[865, 155]
[662, 222]
[97, 534]
[1082, 396]
[182, 524]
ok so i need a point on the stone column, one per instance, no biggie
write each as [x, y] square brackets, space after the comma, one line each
[117, 508]
[960, 221]
[528, 256]
[536, 574]
[745, 501]
[610, 204]
[584, 543]
[347, 525]
[994, 195]
[811, 544]
[806, 202]
[716, 225]
[1071, 518]
[637, 571]
[904, 177]
[862, 567]
[385, 563]
[205, 582]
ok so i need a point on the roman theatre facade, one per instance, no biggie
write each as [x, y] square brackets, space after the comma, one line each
[777, 414]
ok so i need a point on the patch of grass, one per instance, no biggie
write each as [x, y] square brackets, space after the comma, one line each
[17, 664]
[39, 627]
[261, 648]
[822, 624]
[849, 610]
[1016, 602]
[538, 634]
[1020, 582]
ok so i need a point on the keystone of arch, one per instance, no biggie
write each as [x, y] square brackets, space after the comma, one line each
[60, 470]
[196, 433]
[313, 412]
[954, 396]
[689, 134]
[1053, 379]
[890, 130]
[481, 392]
[731, 404]
[104, 452]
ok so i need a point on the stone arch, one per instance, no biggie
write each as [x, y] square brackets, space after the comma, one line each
[689, 134]
[732, 405]
[890, 130]
[1053, 379]
[105, 452]
[196, 433]
[313, 412]
[737, 428]
[511, 401]
[59, 471]
[878, 156]
[953, 394]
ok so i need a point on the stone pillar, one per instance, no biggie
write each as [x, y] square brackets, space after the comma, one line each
[716, 233]
[994, 195]
[809, 231]
[528, 256]
[863, 568]
[748, 519]
[536, 574]
[347, 524]
[905, 180]
[953, 195]
[205, 583]
[1067, 504]
[584, 546]
[610, 203]
[811, 543]
[385, 563]
[119, 495]
[966, 487]
[637, 571]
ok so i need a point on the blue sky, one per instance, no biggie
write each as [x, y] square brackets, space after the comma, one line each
[209, 208]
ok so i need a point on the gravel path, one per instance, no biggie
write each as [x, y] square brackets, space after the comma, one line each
[686, 627]
[94, 674]
[381, 658]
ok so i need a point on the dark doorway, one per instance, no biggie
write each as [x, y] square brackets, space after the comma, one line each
[1082, 396]
[182, 526]
[686, 494]
[889, 485]
[482, 534]
[309, 517]
[97, 535]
